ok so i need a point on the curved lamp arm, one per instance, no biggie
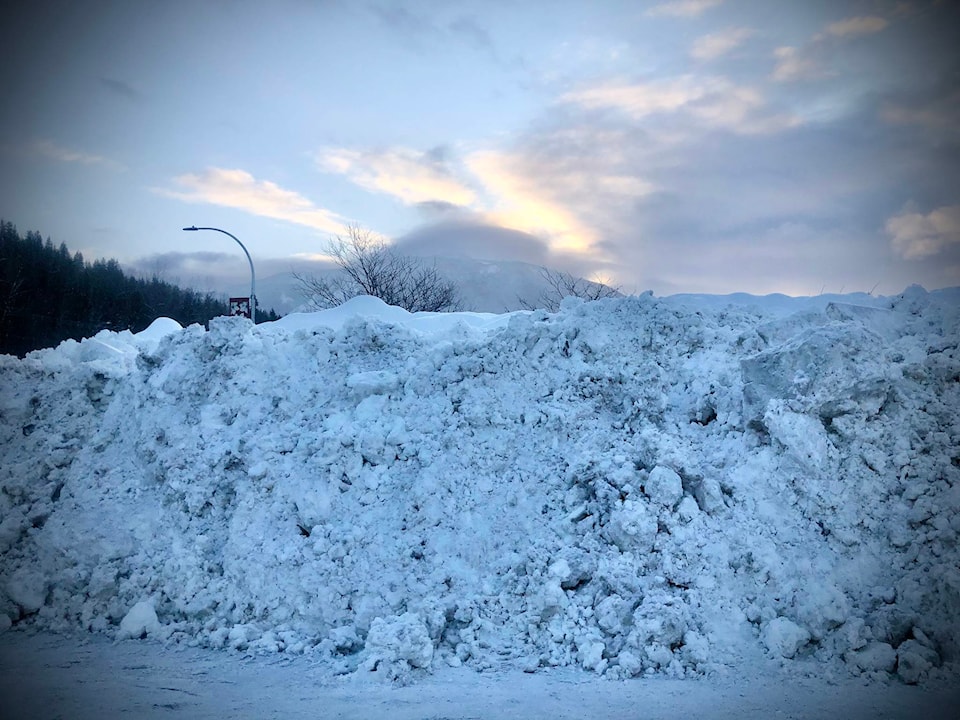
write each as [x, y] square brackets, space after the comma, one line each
[253, 276]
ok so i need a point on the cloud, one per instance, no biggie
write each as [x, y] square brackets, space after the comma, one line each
[51, 150]
[916, 236]
[796, 258]
[239, 189]
[852, 27]
[682, 8]
[807, 61]
[522, 204]
[438, 208]
[573, 185]
[707, 189]
[796, 64]
[716, 45]
[473, 237]
[412, 177]
[639, 100]
[515, 190]
[623, 185]
[711, 101]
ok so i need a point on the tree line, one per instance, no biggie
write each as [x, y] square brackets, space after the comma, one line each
[48, 295]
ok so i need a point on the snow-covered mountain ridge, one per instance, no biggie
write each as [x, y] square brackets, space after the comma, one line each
[630, 486]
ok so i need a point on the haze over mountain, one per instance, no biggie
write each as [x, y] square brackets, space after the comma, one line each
[485, 285]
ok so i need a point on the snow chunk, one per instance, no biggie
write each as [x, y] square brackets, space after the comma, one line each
[590, 654]
[27, 589]
[664, 486]
[10, 529]
[158, 329]
[397, 645]
[821, 607]
[688, 509]
[708, 494]
[783, 637]
[139, 622]
[914, 660]
[367, 308]
[374, 382]
[875, 656]
[802, 436]
[632, 526]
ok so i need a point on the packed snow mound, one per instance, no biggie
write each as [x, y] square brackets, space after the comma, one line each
[432, 324]
[630, 486]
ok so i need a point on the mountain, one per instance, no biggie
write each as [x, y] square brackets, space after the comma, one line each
[485, 285]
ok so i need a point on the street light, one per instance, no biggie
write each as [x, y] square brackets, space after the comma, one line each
[253, 277]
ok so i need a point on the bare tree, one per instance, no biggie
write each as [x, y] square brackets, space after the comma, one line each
[562, 284]
[369, 266]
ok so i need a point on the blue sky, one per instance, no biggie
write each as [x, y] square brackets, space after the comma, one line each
[679, 146]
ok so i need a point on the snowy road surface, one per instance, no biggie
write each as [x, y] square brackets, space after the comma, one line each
[45, 676]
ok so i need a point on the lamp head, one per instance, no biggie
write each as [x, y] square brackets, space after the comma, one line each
[192, 227]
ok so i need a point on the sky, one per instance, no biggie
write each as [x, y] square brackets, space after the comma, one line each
[679, 146]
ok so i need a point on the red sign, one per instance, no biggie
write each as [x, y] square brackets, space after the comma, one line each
[240, 306]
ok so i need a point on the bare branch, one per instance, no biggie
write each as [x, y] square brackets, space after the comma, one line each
[562, 284]
[369, 266]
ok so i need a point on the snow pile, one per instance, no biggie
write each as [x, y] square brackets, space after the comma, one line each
[630, 486]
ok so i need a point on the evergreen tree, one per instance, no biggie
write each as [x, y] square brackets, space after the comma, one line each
[48, 295]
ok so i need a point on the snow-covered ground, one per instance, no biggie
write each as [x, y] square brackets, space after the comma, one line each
[757, 495]
[44, 677]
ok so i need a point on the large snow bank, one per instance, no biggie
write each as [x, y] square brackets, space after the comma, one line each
[629, 486]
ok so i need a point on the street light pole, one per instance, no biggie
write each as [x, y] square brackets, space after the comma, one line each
[253, 276]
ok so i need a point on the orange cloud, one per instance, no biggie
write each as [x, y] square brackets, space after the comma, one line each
[520, 204]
